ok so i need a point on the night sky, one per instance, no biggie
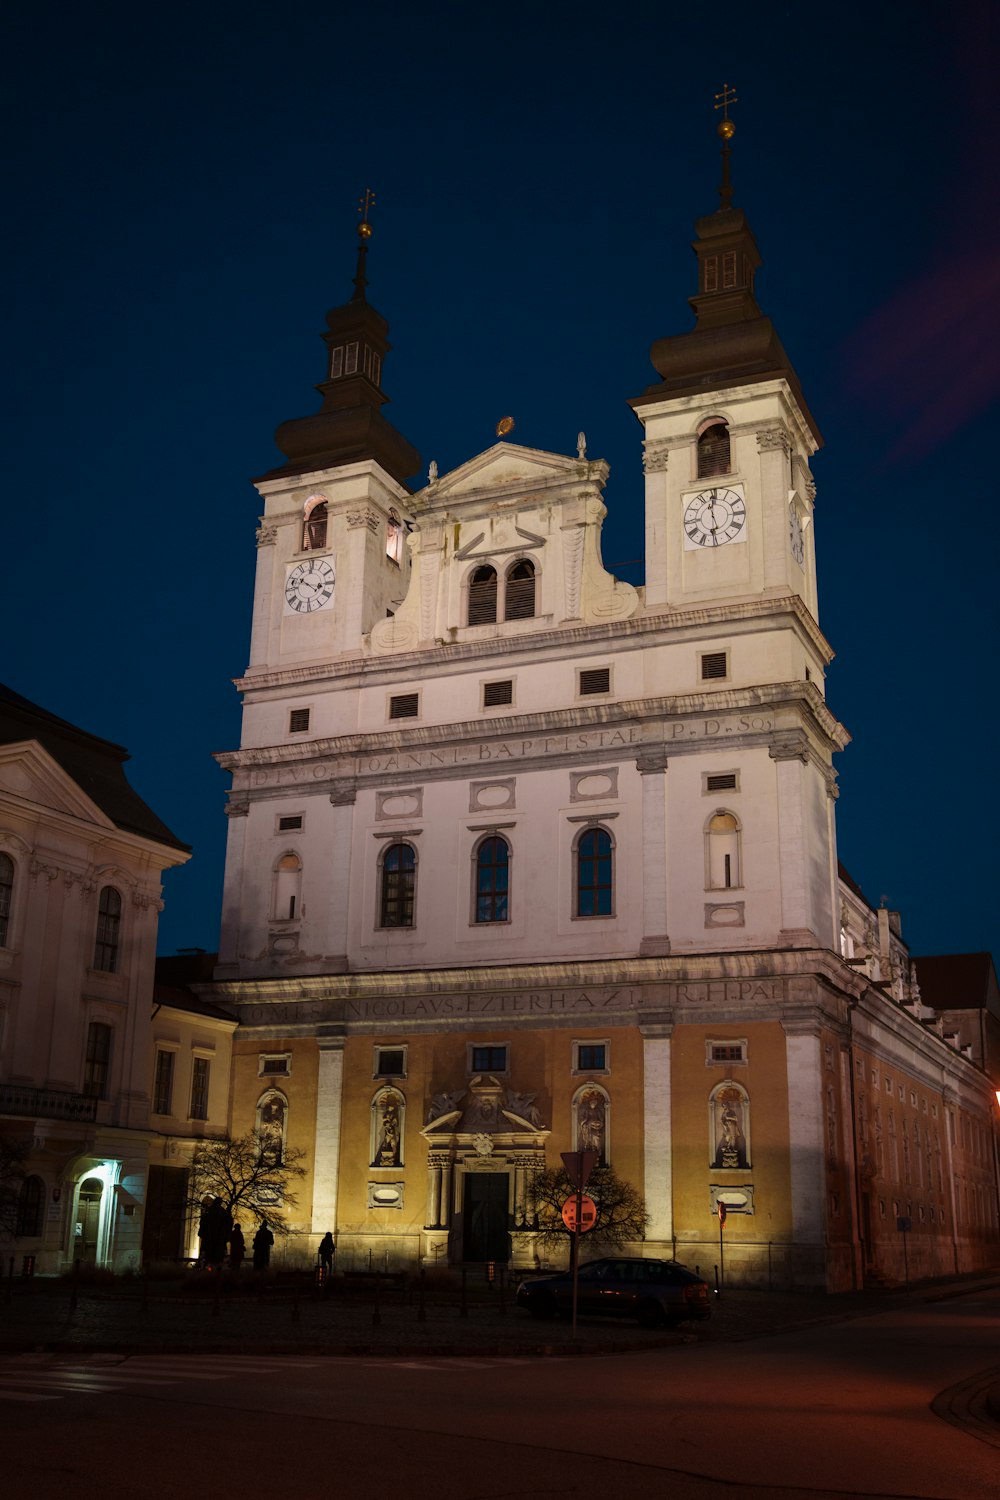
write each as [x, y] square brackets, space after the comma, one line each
[182, 211]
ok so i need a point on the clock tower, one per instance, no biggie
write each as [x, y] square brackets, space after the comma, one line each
[728, 439]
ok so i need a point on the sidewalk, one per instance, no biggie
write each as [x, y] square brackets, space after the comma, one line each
[290, 1317]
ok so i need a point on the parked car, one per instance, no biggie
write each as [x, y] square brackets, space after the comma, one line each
[652, 1291]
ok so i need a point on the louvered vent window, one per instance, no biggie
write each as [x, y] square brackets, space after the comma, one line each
[713, 664]
[721, 783]
[285, 825]
[298, 721]
[497, 693]
[404, 706]
[595, 680]
[519, 594]
[483, 597]
[713, 451]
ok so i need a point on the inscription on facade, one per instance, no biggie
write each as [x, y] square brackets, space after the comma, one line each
[717, 728]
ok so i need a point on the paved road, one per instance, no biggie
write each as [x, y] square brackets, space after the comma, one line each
[841, 1409]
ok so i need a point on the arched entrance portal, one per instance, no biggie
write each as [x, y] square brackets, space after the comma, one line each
[86, 1241]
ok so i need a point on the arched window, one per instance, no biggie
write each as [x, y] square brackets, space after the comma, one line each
[394, 534]
[288, 888]
[729, 1126]
[29, 1208]
[97, 1062]
[713, 450]
[493, 880]
[6, 895]
[519, 591]
[722, 852]
[109, 918]
[272, 1124]
[314, 524]
[591, 1121]
[388, 1115]
[399, 869]
[483, 596]
[594, 873]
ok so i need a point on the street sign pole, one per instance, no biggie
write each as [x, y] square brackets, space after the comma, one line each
[722, 1263]
[579, 1165]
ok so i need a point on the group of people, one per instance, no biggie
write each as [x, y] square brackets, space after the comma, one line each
[218, 1233]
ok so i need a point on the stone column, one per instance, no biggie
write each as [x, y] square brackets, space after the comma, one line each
[657, 1146]
[789, 750]
[652, 766]
[446, 1176]
[433, 1217]
[343, 798]
[519, 1188]
[326, 1162]
[807, 1166]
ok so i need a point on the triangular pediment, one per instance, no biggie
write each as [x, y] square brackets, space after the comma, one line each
[506, 468]
[29, 773]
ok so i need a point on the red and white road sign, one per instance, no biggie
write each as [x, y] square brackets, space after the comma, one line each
[588, 1213]
[722, 1212]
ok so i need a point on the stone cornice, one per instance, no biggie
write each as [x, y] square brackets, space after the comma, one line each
[560, 641]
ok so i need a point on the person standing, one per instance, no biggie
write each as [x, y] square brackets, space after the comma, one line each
[262, 1242]
[327, 1250]
[237, 1249]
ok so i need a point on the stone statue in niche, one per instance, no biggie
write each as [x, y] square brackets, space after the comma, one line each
[271, 1131]
[730, 1129]
[591, 1123]
[387, 1143]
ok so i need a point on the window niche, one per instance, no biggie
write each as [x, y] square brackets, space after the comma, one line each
[272, 1125]
[287, 900]
[722, 852]
[388, 1114]
[314, 523]
[714, 450]
[592, 1121]
[729, 1126]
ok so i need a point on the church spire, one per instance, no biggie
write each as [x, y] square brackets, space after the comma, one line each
[350, 427]
[732, 342]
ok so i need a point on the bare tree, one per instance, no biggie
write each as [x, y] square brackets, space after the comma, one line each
[621, 1208]
[247, 1176]
[13, 1155]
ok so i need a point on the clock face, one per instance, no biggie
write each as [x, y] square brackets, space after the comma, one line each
[795, 539]
[714, 518]
[309, 586]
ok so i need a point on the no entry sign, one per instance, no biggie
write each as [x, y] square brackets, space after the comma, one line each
[588, 1214]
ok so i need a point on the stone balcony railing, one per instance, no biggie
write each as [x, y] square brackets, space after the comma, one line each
[47, 1104]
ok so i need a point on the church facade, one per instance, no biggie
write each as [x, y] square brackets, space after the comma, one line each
[523, 859]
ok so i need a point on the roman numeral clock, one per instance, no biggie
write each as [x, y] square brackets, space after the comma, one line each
[714, 517]
[309, 586]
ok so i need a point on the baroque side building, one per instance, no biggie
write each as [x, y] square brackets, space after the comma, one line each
[523, 858]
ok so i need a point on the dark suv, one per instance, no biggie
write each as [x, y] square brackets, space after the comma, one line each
[652, 1291]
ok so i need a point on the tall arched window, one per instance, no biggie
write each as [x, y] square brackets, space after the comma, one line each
[713, 451]
[483, 596]
[109, 918]
[97, 1062]
[29, 1208]
[6, 895]
[288, 888]
[314, 524]
[493, 880]
[722, 852]
[399, 870]
[594, 873]
[519, 591]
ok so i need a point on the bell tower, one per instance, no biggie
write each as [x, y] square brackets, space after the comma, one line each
[332, 559]
[728, 435]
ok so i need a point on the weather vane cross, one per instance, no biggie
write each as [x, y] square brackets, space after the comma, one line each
[725, 99]
[365, 203]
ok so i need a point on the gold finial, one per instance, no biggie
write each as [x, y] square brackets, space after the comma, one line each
[505, 425]
[725, 127]
[365, 202]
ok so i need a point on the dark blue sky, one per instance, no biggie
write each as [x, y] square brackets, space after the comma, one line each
[182, 200]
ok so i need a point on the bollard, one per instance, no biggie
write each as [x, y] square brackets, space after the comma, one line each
[74, 1287]
[421, 1309]
[463, 1307]
[377, 1309]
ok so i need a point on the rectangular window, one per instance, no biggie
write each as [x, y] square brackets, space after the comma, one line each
[595, 680]
[163, 1084]
[287, 825]
[351, 359]
[714, 664]
[390, 1062]
[336, 363]
[591, 1057]
[726, 783]
[492, 1059]
[199, 1088]
[725, 1052]
[497, 693]
[729, 269]
[298, 721]
[404, 706]
[272, 1064]
[97, 1062]
[710, 267]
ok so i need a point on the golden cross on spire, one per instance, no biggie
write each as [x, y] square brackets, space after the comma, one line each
[725, 99]
[365, 203]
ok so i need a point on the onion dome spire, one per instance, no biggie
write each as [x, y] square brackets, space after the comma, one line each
[350, 427]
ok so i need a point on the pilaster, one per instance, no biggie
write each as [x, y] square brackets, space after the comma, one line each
[326, 1157]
